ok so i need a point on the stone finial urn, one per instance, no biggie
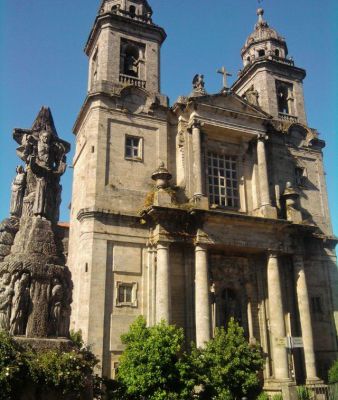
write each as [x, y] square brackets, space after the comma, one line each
[291, 198]
[161, 177]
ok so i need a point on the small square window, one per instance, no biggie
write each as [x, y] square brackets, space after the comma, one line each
[126, 294]
[133, 148]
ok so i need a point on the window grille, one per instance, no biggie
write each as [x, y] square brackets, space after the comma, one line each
[223, 180]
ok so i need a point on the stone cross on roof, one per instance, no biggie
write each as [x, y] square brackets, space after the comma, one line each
[225, 74]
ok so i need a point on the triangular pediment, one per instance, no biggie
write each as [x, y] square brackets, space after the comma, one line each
[231, 102]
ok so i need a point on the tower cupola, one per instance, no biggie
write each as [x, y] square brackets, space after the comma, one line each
[270, 78]
[263, 42]
[138, 10]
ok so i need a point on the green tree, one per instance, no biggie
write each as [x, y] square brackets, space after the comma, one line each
[228, 367]
[153, 365]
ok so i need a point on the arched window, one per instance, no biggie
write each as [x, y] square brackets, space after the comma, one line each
[282, 98]
[131, 60]
[277, 52]
[261, 53]
[114, 9]
[132, 11]
[248, 59]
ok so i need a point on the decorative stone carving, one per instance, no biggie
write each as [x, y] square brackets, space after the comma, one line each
[161, 176]
[18, 190]
[291, 199]
[6, 295]
[35, 285]
[198, 86]
[252, 96]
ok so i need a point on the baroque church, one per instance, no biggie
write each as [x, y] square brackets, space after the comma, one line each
[212, 208]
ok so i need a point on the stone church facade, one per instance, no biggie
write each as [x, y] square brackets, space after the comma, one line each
[215, 207]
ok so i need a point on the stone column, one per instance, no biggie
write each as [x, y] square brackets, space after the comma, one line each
[202, 301]
[197, 155]
[163, 300]
[265, 201]
[263, 171]
[276, 315]
[249, 291]
[305, 319]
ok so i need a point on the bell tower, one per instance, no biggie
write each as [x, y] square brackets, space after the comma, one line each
[124, 47]
[121, 139]
[270, 74]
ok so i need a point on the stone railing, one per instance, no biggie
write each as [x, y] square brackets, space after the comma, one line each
[287, 117]
[282, 60]
[131, 80]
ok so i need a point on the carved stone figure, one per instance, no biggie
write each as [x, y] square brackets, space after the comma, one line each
[6, 295]
[252, 96]
[20, 305]
[56, 306]
[44, 154]
[18, 190]
[198, 85]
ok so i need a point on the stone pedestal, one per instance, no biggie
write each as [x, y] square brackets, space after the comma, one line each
[289, 391]
[202, 301]
[37, 281]
[163, 300]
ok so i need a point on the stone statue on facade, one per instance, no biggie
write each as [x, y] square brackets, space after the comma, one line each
[35, 284]
[18, 191]
[252, 96]
[198, 86]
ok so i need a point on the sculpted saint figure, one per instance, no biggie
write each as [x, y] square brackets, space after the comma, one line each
[18, 190]
[56, 306]
[252, 96]
[42, 167]
[6, 295]
[20, 306]
[198, 82]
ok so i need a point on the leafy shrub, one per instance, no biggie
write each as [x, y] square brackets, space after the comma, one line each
[153, 363]
[278, 396]
[63, 372]
[263, 396]
[333, 373]
[67, 372]
[12, 366]
[229, 365]
[303, 393]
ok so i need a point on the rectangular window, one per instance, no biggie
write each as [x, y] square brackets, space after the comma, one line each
[133, 148]
[126, 294]
[223, 180]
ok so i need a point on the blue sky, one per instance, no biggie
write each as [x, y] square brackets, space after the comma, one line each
[42, 63]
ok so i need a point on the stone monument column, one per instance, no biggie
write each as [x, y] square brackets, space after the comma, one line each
[202, 301]
[265, 201]
[305, 319]
[276, 315]
[163, 300]
[197, 155]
